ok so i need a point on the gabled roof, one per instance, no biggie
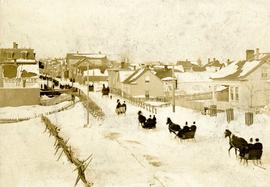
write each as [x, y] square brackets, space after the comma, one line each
[239, 70]
[134, 76]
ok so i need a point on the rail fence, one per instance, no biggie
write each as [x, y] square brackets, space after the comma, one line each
[60, 143]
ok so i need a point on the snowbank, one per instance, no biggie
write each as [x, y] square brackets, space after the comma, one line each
[27, 157]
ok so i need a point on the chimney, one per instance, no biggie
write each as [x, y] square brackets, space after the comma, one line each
[214, 59]
[15, 45]
[228, 61]
[208, 60]
[257, 54]
[249, 54]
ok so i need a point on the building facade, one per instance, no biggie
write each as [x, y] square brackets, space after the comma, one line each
[19, 77]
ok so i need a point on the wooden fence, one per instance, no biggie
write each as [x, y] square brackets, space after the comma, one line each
[90, 105]
[60, 143]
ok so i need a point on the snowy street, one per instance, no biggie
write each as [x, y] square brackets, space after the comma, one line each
[127, 155]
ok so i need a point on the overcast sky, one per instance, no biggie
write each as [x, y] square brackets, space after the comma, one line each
[144, 30]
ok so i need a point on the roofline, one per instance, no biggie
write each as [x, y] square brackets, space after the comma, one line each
[263, 61]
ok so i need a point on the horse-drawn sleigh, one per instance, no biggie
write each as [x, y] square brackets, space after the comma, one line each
[150, 123]
[105, 90]
[247, 151]
[120, 108]
[182, 133]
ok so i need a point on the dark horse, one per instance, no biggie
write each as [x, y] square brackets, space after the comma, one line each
[141, 118]
[235, 142]
[175, 128]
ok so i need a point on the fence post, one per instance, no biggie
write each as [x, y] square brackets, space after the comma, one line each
[230, 115]
[248, 118]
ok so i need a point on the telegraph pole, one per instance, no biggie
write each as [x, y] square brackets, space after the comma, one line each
[173, 90]
[87, 93]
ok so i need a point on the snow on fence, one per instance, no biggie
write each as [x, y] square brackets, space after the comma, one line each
[60, 143]
[143, 105]
[90, 105]
[18, 119]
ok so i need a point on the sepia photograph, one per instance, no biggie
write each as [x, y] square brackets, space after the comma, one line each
[134, 93]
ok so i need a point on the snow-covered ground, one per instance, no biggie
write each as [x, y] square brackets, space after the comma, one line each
[27, 157]
[29, 111]
[124, 154]
[127, 155]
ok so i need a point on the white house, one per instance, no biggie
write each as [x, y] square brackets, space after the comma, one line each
[245, 83]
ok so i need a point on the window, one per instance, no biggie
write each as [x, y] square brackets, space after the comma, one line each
[264, 74]
[236, 93]
[147, 79]
[231, 93]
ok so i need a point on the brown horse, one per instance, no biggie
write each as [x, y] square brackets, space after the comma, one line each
[235, 142]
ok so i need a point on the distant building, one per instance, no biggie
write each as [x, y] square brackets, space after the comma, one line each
[213, 65]
[79, 62]
[190, 66]
[19, 77]
[245, 84]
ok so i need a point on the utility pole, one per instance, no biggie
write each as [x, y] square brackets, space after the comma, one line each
[173, 90]
[87, 93]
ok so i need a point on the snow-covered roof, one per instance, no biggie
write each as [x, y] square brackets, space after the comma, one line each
[248, 66]
[90, 55]
[193, 76]
[168, 79]
[123, 75]
[133, 77]
[26, 60]
[30, 68]
[240, 69]
[95, 72]
[226, 71]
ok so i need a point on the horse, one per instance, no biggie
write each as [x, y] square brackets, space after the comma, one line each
[141, 118]
[175, 128]
[235, 142]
